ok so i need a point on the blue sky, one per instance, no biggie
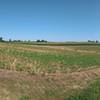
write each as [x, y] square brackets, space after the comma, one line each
[53, 20]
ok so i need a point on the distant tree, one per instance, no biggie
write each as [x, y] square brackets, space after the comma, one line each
[97, 41]
[1, 39]
[10, 40]
[14, 40]
[18, 40]
[29, 41]
[91, 41]
[46, 41]
[42, 40]
[38, 40]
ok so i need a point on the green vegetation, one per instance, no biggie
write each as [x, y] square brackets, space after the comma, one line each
[90, 93]
[34, 59]
[25, 98]
[46, 72]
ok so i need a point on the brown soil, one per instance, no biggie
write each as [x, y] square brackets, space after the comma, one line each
[85, 75]
[14, 85]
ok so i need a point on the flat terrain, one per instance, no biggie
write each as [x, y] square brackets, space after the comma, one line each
[40, 72]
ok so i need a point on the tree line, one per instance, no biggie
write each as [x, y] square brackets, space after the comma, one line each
[38, 41]
[90, 41]
[10, 40]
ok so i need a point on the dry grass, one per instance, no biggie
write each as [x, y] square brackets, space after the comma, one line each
[51, 87]
[29, 72]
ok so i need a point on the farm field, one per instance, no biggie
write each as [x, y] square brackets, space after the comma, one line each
[40, 72]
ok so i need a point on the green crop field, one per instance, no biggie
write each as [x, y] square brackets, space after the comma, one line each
[49, 72]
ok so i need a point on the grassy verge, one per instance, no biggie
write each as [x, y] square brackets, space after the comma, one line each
[90, 93]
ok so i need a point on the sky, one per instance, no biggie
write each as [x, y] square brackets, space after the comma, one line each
[52, 20]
